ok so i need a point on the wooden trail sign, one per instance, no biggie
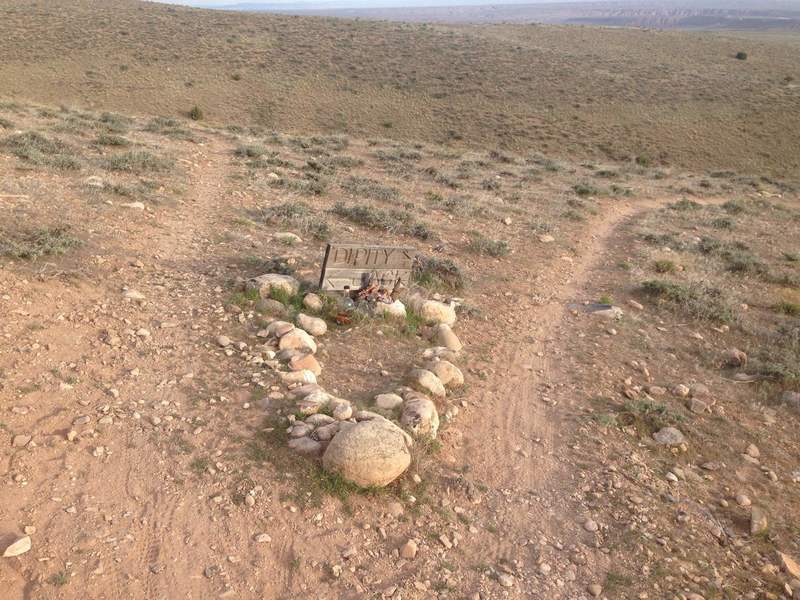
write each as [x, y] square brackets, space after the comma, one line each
[353, 265]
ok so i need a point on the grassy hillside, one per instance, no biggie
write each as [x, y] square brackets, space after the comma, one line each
[667, 97]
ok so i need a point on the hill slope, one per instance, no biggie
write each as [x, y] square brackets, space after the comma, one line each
[676, 98]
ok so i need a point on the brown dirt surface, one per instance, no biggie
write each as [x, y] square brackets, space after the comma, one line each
[147, 497]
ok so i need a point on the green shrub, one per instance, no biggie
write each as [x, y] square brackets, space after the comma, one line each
[369, 188]
[479, 244]
[789, 308]
[685, 204]
[300, 215]
[40, 242]
[741, 55]
[695, 299]
[37, 149]
[106, 139]
[734, 207]
[394, 221]
[586, 189]
[196, 113]
[136, 161]
[438, 273]
[664, 266]
[250, 150]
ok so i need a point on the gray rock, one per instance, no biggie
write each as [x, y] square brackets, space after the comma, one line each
[133, 296]
[505, 580]
[326, 432]
[304, 390]
[305, 445]
[268, 306]
[319, 420]
[698, 406]
[669, 436]
[300, 430]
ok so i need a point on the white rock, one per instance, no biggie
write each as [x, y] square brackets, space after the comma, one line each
[312, 325]
[134, 205]
[133, 296]
[449, 374]
[388, 401]
[420, 416]
[21, 546]
[304, 376]
[264, 284]
[396, 309]
[444, 336]
[298, 339]
[426, 382]
[313, 302]
[432, 311]
[287, 237]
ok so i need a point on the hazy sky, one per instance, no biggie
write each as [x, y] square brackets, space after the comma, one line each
[359, 2]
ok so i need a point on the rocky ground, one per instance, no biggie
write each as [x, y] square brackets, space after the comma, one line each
[626, 426]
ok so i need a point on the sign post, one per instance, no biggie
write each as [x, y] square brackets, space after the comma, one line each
[351, 266]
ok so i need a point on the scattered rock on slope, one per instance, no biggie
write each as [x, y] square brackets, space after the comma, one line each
[669, 436]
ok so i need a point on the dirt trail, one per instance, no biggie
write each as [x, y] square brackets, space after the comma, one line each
[515, 441]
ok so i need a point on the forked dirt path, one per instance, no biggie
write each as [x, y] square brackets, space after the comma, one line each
[145, 534]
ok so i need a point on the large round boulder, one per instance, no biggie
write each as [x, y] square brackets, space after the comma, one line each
[370, 453]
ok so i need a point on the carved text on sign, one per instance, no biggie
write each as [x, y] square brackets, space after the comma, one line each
[349, 265]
